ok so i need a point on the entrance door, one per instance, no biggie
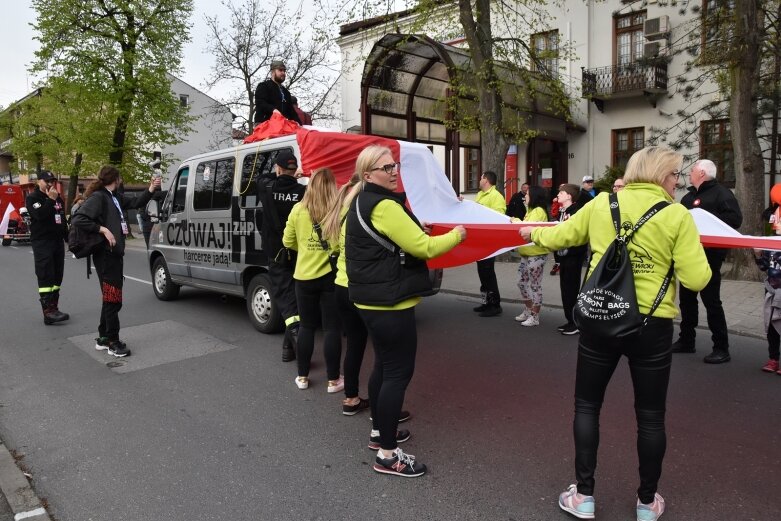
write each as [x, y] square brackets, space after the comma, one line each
[547, 163]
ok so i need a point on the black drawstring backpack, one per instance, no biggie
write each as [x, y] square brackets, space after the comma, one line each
[607, 303]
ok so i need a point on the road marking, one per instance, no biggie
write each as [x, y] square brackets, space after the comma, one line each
[138, 280]
[29, 513]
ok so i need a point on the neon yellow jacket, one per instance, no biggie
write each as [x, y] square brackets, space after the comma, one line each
[299, 235]
[390, 219]
[534, 215]
[492, 199]
[670, 235]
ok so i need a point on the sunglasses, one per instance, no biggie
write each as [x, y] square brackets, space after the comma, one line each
[389, 168]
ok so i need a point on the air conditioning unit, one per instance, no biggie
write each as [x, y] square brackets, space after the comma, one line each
[655, 49]
[656, 28]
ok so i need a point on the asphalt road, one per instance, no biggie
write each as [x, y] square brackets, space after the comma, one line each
[204, 421]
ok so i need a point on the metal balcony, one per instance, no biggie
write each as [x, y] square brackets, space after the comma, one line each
[625, 81]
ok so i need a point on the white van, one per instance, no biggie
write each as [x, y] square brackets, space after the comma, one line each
[207, 230]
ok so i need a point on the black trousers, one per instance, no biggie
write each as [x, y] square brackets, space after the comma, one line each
[357, 334]
[49, 257]
[487, 275]
[284, 290]
[395, 338]
[650, 357]
[570, 273]
[773, 342]
[109, 268]
[317, 300]
[711, 299]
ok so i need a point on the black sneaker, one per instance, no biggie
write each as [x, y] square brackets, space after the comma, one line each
[562, 327]
[570, 329]
[351, 410]
[681, 346]
[118, 349]
[491, 311]
[400, 464]
[404, 416]
[401, 437]
[101, 343]
[480, 308]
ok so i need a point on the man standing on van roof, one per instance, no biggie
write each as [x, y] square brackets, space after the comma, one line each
[270, 95]
[279, 192]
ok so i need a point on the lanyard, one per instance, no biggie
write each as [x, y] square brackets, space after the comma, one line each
[116, 203]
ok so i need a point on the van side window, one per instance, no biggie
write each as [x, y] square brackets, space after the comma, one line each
[180, 191]
[253, 167]
[213, 184]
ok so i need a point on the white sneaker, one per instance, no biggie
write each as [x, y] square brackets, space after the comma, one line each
[334, 386]
[302, 382]
[533, 320]
[523, 316]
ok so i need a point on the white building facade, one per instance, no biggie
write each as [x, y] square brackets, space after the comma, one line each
[632, 98]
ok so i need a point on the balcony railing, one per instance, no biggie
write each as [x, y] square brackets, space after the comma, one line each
[621, 81]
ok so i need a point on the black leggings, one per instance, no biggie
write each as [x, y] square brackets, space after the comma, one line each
[773, 342]
[395, 338]
[650, 357]
[357, 334]
[316, 298]
[109, 269]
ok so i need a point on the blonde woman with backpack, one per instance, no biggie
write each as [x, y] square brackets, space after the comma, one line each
[668, 238]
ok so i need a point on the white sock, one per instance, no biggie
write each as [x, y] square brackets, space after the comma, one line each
[374, 433]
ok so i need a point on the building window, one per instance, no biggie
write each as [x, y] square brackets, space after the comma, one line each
[716, 145]
[472, 167]
[545, 53]
[626, 141]
[628, 31]
[184, 100]
[716, 29]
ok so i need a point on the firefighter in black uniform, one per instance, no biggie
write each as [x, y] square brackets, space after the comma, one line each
[278, 192]
[48, 231]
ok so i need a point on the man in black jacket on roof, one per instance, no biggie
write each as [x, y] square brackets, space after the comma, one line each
[708, 194]
[270, 95]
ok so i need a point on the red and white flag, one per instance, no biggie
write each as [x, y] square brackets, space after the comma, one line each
[6, 218]
[432, 199]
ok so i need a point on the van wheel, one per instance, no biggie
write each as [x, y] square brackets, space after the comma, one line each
[261, 309]
[164, 287]
[7, 242]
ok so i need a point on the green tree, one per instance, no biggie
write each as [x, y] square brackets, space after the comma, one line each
[731, 72]
[123, 49]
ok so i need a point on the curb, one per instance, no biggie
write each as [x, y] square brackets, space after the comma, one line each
[20, 495]
[731, 331]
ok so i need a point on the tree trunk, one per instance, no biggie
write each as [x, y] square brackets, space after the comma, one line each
[749, 164]
[73, 180]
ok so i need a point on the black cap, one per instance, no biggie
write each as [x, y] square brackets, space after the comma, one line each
[286, 160]
[45, 175]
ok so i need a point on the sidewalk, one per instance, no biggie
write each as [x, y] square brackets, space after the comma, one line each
[742, 300]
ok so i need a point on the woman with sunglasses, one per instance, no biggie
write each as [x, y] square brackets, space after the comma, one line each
[386, 248]
[669, 238]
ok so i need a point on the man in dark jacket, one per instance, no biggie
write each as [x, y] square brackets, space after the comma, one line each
[279, 192]
[270, 95]
[48, 231]
[708, 194]
[517, 207]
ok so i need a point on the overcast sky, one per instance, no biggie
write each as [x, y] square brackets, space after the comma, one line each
[17, 47]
